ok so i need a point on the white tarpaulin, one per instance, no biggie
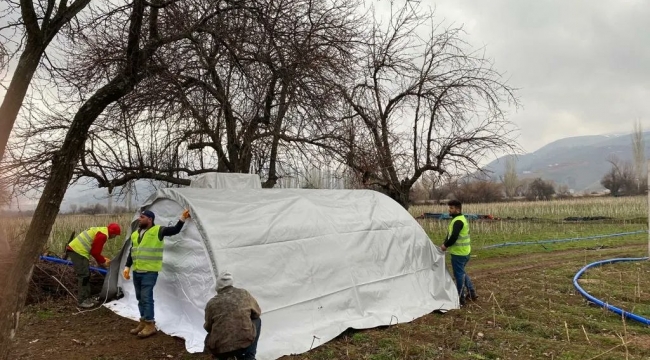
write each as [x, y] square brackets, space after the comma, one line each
[317, 261]
[226, 181]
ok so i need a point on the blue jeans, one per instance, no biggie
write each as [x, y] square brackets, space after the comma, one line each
[458, 263]
[144, 283]
[248, 353]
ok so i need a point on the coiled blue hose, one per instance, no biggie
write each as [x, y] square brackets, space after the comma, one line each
[594, 300]
[68, 262]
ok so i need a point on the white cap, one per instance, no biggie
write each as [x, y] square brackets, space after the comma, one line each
[225, 280]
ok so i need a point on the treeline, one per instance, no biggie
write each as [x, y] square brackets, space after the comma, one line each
[622, 179]
[95, 209]
[486, 191]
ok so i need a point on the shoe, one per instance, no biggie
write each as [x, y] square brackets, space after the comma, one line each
[139, 328]
[148, 330]
[472, 297]
[87, 304]
[462, 301]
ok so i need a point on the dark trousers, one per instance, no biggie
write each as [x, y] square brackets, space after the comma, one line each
[462, 279]
[82, 270]
[244, 354]
[144, 283]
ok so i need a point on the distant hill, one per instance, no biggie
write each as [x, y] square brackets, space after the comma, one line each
[578, 162]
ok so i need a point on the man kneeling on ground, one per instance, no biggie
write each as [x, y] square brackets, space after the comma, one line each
[232, 320]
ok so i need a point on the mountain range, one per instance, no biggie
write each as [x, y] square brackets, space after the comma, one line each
[577, 162]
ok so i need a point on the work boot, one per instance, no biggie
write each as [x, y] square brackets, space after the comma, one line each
[139, 328]
[87, 304]
[149, 329]
[472, 297]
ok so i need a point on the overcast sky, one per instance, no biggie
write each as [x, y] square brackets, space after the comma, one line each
[583, 67]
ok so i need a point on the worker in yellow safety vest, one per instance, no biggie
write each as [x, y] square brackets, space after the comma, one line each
[89, 242]
[146, 260]
[458, 244]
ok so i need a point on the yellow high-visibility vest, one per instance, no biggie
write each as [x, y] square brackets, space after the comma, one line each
[147, 253]
[84, 241]
[462, 245]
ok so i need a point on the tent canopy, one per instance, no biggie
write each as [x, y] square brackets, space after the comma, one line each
[232, 181]
[317, 261]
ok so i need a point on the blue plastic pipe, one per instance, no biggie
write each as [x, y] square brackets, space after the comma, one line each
[68, 262]
[563, 240]
[594, 300]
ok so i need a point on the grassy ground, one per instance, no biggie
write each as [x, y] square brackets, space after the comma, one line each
[528, 308]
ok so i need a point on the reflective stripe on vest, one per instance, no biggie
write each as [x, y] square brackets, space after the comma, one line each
[147, 251]
[84, 241]
[462, 246]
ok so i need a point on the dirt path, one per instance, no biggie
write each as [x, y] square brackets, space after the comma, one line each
[53, 331]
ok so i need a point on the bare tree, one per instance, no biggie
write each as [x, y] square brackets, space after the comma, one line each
[431, 182]
[509, 179]
[36, 26]
[620, 178]
[40, 21]
[522, 186]
[638, 148]
[479, 191]
[5, 193]
[421, 105]
[563, 192]
[430, 186]
[540, 189]
[241, 93]
[134, 62]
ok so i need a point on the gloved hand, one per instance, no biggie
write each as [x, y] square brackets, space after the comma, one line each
[185, 215]
[125, 273]
[107, 263]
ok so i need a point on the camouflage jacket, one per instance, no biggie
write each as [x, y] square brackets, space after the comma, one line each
[228, 322]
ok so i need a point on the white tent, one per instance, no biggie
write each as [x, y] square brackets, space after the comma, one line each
[226, 181]
[317, 261]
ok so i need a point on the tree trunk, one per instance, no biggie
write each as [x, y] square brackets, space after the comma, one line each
[6, 263]
[13, 100]
[401, 194]
[48, 206]
[273, 172]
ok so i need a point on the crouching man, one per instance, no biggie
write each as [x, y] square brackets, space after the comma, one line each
[232, 320]
[89, 242]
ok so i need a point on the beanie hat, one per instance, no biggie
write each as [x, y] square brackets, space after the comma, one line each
[114, 229]
[225, 280]
[149, 214]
